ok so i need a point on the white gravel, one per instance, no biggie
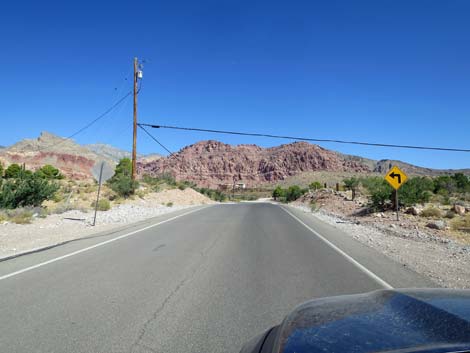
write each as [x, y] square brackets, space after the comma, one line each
[59, 228]
[443, 261]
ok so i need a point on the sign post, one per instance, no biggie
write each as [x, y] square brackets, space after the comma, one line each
[101, 171]
[396, 178]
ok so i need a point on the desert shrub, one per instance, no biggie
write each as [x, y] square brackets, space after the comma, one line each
[278, 193]
[182, 186]
[316, 185]
[416, 190]
[380, 192]
[49, 172]
[461, 223]
[313, 205]
[103, 205]
[431, 212]
[352, 184]
[215, 195]
[20, 216]
[169, 204]
[450, 214]
[30, 190]
[13, 171]
[121, 182]
[294, 192]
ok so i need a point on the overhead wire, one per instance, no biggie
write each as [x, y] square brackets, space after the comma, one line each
[307, 138]
[101, 116]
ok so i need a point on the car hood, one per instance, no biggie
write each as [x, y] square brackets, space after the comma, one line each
[436, 320]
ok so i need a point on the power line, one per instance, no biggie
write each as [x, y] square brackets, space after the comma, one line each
[106, 112]
[306, 138]
[153, 138]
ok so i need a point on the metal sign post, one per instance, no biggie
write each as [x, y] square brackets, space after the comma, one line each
[98, 196]
[396, 178]
[101, 171]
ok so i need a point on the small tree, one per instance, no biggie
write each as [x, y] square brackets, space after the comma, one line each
[122, 182]
[13, 171]
[124, 167]
[49, 172]
[1, 170]
[351, 184]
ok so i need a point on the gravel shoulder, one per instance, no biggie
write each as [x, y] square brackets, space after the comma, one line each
[444, 261]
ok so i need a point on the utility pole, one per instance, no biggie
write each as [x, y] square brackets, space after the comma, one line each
[134, 143]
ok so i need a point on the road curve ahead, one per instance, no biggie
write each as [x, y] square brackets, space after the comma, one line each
[203, 282]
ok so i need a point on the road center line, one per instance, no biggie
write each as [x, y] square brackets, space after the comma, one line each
[94, 246]
[349, 258]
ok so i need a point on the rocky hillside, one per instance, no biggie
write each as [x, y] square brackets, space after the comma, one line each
[215, 164]
[74, 160]
[207, 163]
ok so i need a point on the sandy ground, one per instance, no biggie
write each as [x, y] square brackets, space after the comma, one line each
[428, 252]
[75, 224]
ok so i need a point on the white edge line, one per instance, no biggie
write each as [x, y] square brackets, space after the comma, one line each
[94, 246]
[349, 258]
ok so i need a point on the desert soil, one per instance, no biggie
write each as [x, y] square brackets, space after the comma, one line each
[75, 224]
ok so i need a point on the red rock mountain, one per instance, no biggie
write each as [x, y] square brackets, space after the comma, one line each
[214, 164]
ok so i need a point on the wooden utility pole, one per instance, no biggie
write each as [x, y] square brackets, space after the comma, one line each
[134, 143]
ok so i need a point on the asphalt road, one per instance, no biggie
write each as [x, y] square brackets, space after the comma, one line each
[202, 282]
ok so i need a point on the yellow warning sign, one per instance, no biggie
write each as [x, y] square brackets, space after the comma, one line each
[395, 177]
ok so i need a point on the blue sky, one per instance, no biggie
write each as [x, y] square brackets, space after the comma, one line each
[377, 71]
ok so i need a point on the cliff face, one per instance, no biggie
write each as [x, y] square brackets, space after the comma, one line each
[212, 163]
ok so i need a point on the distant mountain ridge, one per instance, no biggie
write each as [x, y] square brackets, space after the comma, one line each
[215, 164]
[207, 163]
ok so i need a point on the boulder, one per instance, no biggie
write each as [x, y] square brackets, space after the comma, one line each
[414, 210]
[459, 209]
[436, 225]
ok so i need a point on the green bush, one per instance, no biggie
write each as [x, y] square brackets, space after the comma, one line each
[30, 190]
[278, 193]
[316, 185]
[1, 170]
[215, 195]
[103, 205]
[123, 185]
[13, 171]
[431, 212]
[121, 182]
[380, 193]
[169, 204]
[49, 172]
[294, 192]
[415, 190]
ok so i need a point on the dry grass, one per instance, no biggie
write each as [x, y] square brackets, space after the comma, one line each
[431, 212]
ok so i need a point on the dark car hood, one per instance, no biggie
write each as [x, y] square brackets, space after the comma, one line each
[436, 320]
